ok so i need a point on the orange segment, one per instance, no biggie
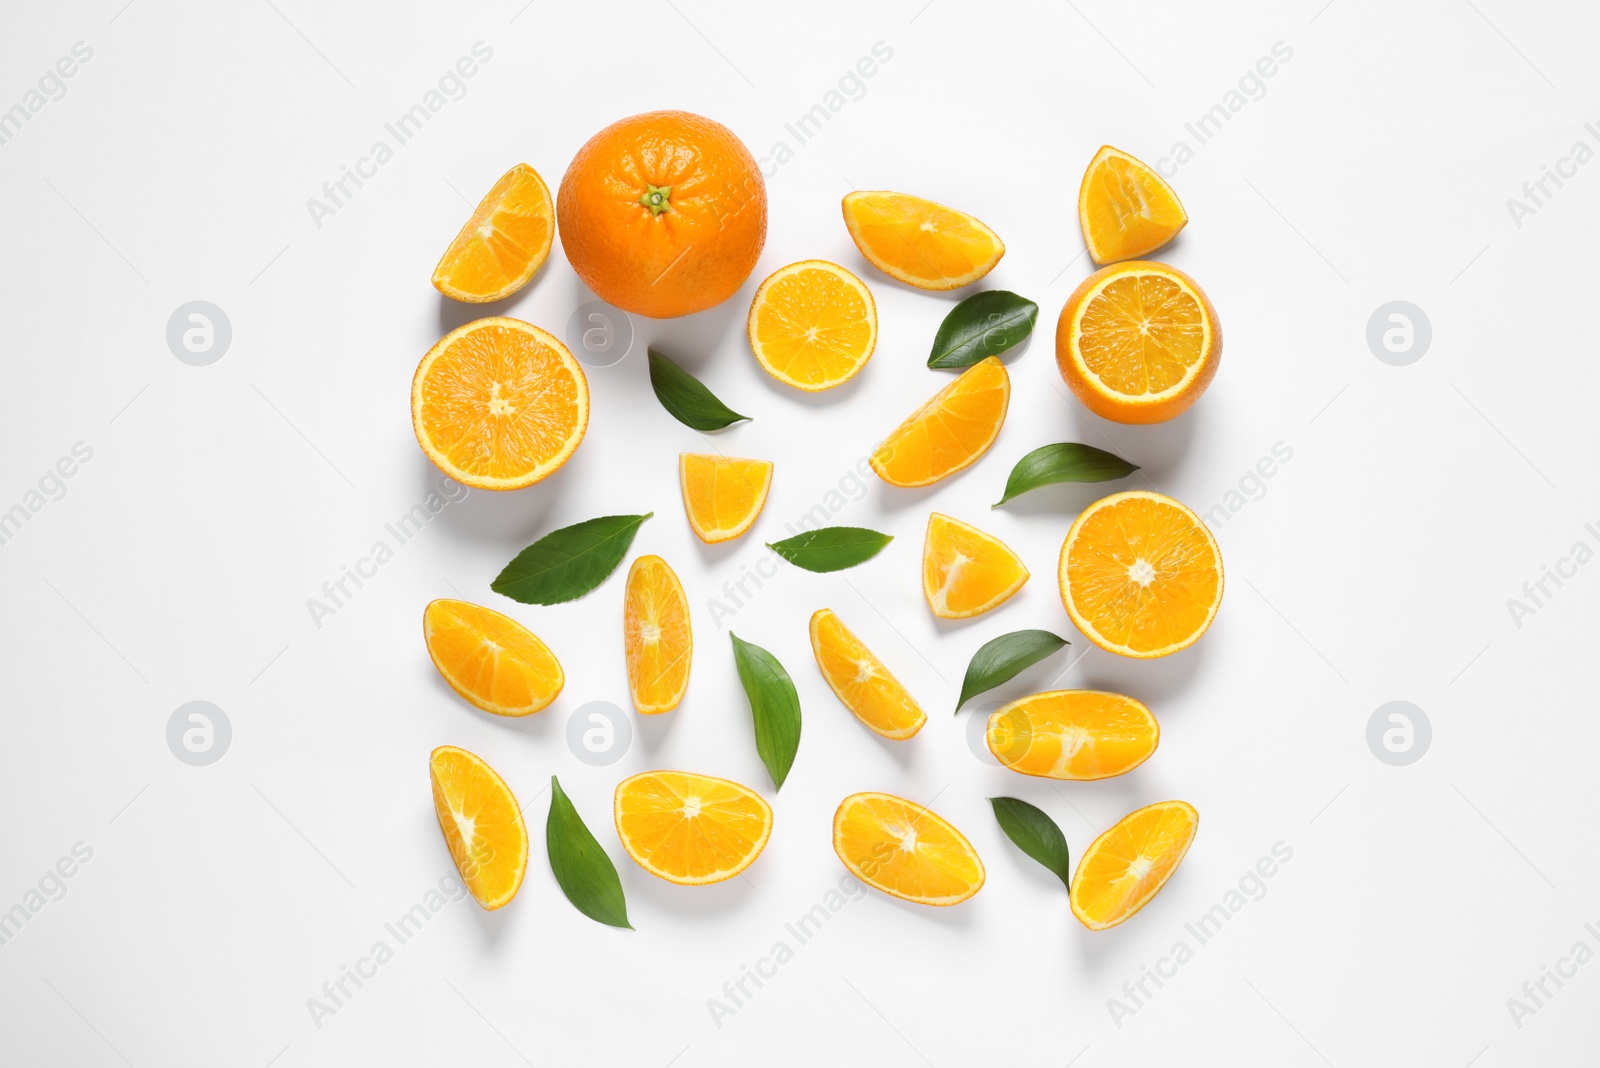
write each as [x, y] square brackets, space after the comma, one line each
[503, 244]
[813, 325]
[491, 660]
[1125, 867]
[905, 850]
[691, 829]
[499, 404]
[1073, 734]
[950, 431]
[482, 825]
[921, 243]
[1125, 208]
[655, 626]
[722, 494]
[966, 572]
[860, 680]
[1140, 574]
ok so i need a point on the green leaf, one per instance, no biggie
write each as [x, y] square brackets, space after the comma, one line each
[686, 399]
[1004, 658]
[585, 873]
[1063, 462]
[565, 564]
[773, 703]
[1035, 833]
[831, 548]
[985, 324]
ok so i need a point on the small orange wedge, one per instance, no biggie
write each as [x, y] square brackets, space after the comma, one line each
[691, 829]
[504, 243]
[921, 243]
[1125, 867]
[1073, 734]
[860, 680]
[656, 636]
[482, 825]
[905, 850]
[722, 494]
[813, 325]
[1126, 209]
[950, 431]
[966, 572]
[490, 659]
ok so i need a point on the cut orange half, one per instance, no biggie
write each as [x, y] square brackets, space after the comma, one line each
[860, 680]
[1125, 208]
[966, 572]
[905, 850]
[950, 431]
[482, 825]
[1140, 574]
[656, 636]
[1073, 734]
[691, 829]
[921, 243]
[1125, 867]
[503, 244]
[499, 404]
[722, 494]
[813, 325]
[490, 659]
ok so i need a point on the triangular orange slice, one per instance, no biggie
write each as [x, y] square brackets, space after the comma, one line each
[722, 494]
[966, 572]
[1126, 209]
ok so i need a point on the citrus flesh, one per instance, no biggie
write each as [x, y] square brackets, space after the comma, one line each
[949, 432]
[860, 681]
[918, 242]
[1125, 208]
[690, 829]
[813, 325]
[966, 572]
[722, 495]
[482, 825]
[490, 659]
[656, 636]
[905, 850]
[1073, 734]
[503, 244]
[1126, 866]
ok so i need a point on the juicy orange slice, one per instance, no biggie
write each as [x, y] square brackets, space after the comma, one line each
[905, 850]
[691, 829]
[491, 660]
[966, 572]
[503, 244]
[1125, 867]
[1140, 574]
[1073, 734]
[499, 404]
[482, 825]
[860, 680]
[1125, 208]
[722, 494]
[950, 431]
[921, 243]
[813, 325]
[1138, 342]
[655, 626]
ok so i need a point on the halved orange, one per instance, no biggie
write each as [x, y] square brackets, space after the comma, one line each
[1138, 342]
[691, 829]
[499, 404]
[503, 244]
[860, 680]
[1125, 867]
[1125, 208]
[722, 494]
[966, 572]
[905, 850]
[656, 636]
[482, 825]
[490, 659]
[950, 431]
[813, 325]
[921, 243]
[1140, 575]
[1073, 734]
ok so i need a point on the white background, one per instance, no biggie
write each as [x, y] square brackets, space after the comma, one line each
[1376, 565]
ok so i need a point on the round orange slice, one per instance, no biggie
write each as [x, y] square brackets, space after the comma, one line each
[860, 680]
[966, 572]
[1140, 575]
[921, 243]
[950, 431]
[1073, 734]
[1125, 867]
[1125, 208]
[722, 494]
[490, 659]
[656, 636]
[905, 850]
[482, 825]
[813, 325]
[691, 829]
[499, 404]
[1138, 342]
[504, 243]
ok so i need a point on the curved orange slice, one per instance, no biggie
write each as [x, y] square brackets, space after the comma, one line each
[482, 825]
[860, 680]
[490, 659]
[950, 431]
[1140, 575]
[503, 244]
[722, 494]
[499, 404]
[921, 243]
[1126, 209]
[691, 829]
[813, 325]
[966, 572]
[656, 635]
[905, 850]
[1073, 734]
[1125, 867]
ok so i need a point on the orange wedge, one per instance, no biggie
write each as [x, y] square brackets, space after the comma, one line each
[491, 660]
[691, 829]
[722, 494]
[950, 431]
[482, 825]
[905, 850]
[1073, 734]
[860, 680]
[499, 404]
[813, 325]
[1140, 575]
[503, 244]
[966, 572]
[921, 243]
[1138, 342]
[1125, 208]
[1125, 867]
[655, 626]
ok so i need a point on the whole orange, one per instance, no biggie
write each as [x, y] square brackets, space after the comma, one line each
[663, 214]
